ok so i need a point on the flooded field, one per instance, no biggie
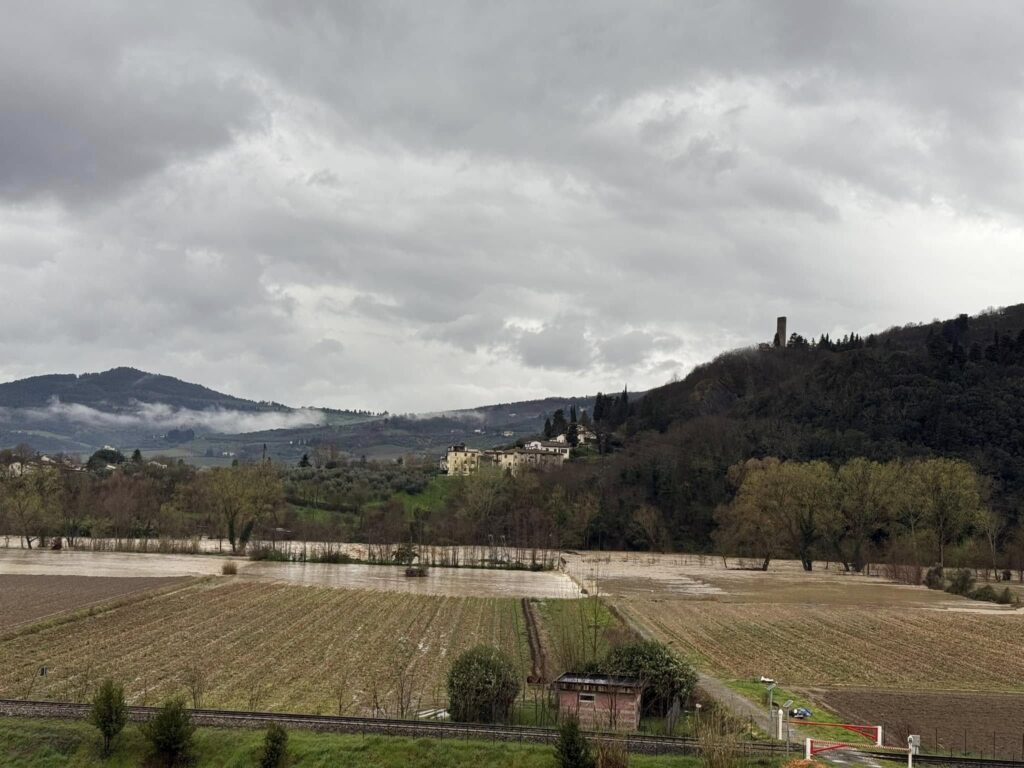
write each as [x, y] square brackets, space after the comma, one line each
[701, 577]
[111, 564]
[456, 582]
[429, 554]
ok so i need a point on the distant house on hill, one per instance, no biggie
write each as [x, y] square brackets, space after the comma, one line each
[549, 446]
[461, 460]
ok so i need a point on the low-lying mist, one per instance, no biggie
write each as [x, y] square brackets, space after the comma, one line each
[161, 416]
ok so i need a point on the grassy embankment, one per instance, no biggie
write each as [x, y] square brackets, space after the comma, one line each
[63, 744]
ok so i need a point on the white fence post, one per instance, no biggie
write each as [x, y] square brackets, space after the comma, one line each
[807, 750]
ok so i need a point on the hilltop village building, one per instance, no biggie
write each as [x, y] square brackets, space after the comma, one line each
[461, 460]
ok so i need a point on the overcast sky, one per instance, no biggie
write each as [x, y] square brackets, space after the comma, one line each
[429, 205]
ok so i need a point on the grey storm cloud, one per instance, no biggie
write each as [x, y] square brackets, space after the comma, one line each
[425, 207]
[560, 345]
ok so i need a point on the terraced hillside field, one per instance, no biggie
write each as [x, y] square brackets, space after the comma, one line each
[256, 645]
[813, 645]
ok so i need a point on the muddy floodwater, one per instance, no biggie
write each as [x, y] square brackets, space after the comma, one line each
[458, 582]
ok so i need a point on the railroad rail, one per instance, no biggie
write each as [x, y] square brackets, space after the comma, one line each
[634, 742]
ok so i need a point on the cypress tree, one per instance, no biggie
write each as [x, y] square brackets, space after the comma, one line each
[572, 750]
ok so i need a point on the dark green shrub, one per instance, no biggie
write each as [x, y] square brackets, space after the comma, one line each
[985, 593]
[109, 712]
[170, 731]
[482, 686]
[989, 594]
[275, 747]
[935, 579]
[961, 583]
[572, 749]
[665, 676]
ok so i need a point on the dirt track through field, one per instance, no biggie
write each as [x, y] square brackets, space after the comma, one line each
[539, 663]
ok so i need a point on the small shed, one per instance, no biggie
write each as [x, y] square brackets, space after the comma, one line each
[599, 702]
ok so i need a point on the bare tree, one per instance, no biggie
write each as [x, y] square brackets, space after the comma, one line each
[257, 693]
[195, 682]
[341, 694]
[403, 694]
[718, 738]
[28, 499]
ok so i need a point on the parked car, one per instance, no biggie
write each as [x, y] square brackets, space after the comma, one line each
[800, 713]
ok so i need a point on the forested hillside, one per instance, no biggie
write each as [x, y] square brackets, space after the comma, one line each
[116, 388]
[953, 388]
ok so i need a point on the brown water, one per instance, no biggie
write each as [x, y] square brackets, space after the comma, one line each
[459, 582]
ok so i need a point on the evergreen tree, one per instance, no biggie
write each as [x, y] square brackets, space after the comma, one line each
[170, 731]
[547, 429]
[304, 461]
[275, 747]
[558, 423]
[109, 712]
[572, 435]
[572, 749]
[621, 408]
[137, 456]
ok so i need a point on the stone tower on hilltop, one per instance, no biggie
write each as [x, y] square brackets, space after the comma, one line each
[780, 332]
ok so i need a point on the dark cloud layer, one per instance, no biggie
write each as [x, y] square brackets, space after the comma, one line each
[428, 206]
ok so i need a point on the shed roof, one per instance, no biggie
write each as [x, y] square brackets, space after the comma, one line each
[571, 678]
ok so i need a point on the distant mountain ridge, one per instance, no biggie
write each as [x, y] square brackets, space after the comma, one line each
[129, 408]
[117, 389]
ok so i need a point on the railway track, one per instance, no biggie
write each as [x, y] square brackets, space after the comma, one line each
[635, 743]
[638, 743]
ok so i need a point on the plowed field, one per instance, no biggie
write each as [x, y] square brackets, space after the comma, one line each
[948, 721]
[810, 645]
[257, 645]
[28, 598]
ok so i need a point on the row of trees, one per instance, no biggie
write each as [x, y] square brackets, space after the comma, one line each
[811, 510]
[170, 731]
[40, 502]
[556, 425]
